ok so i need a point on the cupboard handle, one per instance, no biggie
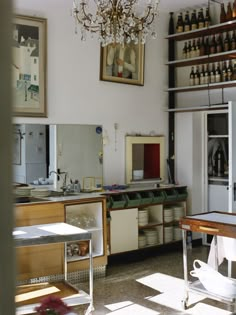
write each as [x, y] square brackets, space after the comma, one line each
[209, 229]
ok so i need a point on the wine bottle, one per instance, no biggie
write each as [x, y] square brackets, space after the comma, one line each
[212, 74]
[213, 45]
[197, 76]
[207, 47]
[194, 20]
[218, 73]
[201, 20]
[234, 10]
[191, 77]
[208, 17]
[185, 49]
[226, 42]
[180, 23]
[219, 44]
[202, 47]
[207, 75]
[224, 72]
[233, 41]
[229, 13]
[222, 13]
[234, 70]
[187, 26]
[189, 49]
[202, 75]
[197, 50]
[193, 50]
[229, 71]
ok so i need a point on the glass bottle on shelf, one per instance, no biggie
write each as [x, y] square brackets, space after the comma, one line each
[207, 75]
[234, 10]
[222, 13]
[202, 47]
[197, 76]
[219, 44]
[189, 49]
[218, 73]
[226, 42]
[208, 17]
[213, 45]
[229, 71]
[201, 20]
[191, 77]
[207, 46]
[171, 24]
[229, 13]
[233, 41]
[212, 74]
[197, 51]
[187, 27]
[224, 72]
[194, 20]
[234, 70]
[193, 50]
[180, 23]
[202, 75]
[185, 49]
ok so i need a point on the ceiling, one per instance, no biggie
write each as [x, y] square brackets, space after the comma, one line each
[178, 5]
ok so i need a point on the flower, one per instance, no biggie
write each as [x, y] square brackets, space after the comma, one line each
[53, 305]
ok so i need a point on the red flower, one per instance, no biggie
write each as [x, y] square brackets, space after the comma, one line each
[52, 305]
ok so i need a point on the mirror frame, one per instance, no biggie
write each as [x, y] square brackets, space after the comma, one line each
[129, 141]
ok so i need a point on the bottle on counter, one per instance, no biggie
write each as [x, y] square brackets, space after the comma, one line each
[180, 23]
[222, 13]
[229, 13]
[187, 26]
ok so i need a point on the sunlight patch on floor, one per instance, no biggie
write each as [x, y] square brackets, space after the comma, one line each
[172, 293]
[128, 308]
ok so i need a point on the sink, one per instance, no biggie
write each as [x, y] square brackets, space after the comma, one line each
[55, 193]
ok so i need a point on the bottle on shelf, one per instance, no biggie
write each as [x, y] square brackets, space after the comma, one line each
[191, 77]
[197, 51]
[197, 76]
[201, 20]
[229, 13]
[208, 17]
[202, 75]
[234, 10]
[207, 46]
[185, 49]
[229, 71]
[171, 24]
[202, 47]
[193, 20]
[187, 26]
[218, 73]
[219, 44]
[233, 41]
[180, 23]
[234, 70]
[193, 50]
[212, 74]
[227, 42]
[222, 13]
[224, 72]
[207, 75]
[189, 49]
[213, 45]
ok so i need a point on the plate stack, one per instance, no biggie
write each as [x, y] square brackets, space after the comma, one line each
[177, 234]
[142, 240]
[143, 217]
[24, 191]
[40, 192]
[168, 230]
[168, 214]
[151, 236]
[178, 212]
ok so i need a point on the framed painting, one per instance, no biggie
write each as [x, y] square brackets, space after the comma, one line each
[29, 66]
[122, 63]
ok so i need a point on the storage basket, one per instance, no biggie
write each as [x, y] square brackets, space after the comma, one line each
[170, 194]
[118, 201]
[158, 196]
[146, 197]
[133, 199]
[182, 193]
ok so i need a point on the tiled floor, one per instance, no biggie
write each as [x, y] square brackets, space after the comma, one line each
[151, 285]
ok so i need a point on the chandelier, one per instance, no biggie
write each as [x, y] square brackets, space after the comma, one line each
[116, 21]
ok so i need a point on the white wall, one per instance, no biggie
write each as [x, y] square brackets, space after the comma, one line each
[75, 94]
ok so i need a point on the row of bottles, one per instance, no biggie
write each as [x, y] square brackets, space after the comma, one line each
[197, 20]
[213, 73]
[229, 14]
[209, 45]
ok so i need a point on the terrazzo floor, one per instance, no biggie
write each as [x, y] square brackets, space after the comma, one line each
[151, 284]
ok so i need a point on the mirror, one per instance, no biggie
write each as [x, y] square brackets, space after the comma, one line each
[145, 159]
[40, 149]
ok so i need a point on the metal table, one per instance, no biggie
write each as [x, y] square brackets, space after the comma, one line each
[215, 223]
[57, 233]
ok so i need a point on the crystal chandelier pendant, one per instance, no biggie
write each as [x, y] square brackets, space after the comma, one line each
[117, 21]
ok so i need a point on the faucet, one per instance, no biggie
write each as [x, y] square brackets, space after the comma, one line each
[64, 185]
